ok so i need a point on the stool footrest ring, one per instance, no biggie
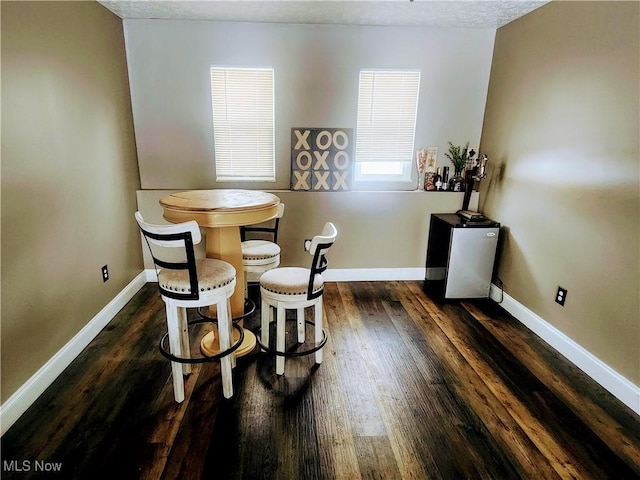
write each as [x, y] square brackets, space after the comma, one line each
[297, 353]
[206, 358]
[249, 308]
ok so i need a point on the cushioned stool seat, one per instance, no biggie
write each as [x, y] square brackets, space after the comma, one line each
[290, 281]
[212, 274]
[260, 252]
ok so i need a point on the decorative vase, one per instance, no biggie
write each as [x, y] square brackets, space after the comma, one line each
[457, 182]
[421, 163]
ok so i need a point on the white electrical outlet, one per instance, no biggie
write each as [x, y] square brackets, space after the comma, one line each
[561, 295]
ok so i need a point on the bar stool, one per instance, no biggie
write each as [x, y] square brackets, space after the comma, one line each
[288, 288]
[191, 283]
[260, 255]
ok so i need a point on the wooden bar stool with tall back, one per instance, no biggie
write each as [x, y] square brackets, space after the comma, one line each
[295, 288]
[186, 282]
[261, 254]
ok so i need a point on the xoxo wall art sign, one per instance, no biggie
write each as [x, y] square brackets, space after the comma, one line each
[321, 159]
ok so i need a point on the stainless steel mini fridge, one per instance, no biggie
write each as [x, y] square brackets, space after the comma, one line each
[460, 256]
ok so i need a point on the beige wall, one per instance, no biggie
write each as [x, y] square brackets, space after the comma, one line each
[562, 129]
[316, 85]
[69, 176]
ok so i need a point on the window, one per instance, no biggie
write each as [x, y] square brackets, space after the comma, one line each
[387, 110]
[243, 123]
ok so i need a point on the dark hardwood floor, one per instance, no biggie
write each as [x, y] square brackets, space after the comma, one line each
[410, 388]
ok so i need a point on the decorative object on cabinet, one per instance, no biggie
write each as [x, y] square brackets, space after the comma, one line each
[426, 163]
[459, 157]
[421, 164]
[432, 157]
[430, 182]
[474, 174]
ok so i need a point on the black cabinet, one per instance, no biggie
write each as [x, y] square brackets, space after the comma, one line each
[460, 256]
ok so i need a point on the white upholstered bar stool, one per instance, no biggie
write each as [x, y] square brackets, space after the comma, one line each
[186, 282]
[289, 288]
[260, 254]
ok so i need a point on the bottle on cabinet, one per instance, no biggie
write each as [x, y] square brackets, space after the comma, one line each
[438, 179]
[445, 178]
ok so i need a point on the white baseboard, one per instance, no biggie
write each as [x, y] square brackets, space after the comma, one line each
[620, 387]
[29, 392]
[372, 274]
[151, 275]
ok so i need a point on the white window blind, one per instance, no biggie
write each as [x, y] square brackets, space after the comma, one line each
[243, 123]
[387, 110]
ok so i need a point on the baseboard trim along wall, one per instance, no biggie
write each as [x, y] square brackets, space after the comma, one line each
[29, 392]
[620, 387]
[372, 274]
[616, 384]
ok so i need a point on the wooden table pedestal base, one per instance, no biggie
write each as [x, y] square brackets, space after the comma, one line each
[210, 344]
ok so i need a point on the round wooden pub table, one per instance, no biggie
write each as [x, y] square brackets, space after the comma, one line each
[221, 213]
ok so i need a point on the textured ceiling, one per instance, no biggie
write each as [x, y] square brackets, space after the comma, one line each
[432, 13]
